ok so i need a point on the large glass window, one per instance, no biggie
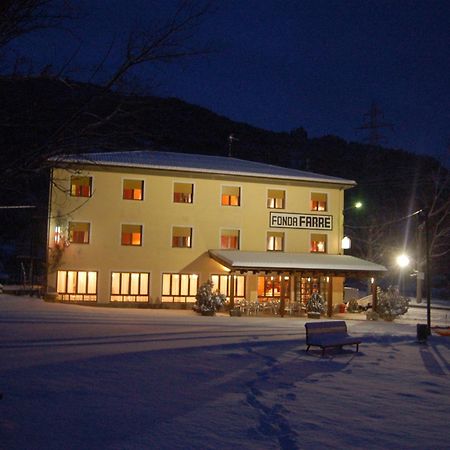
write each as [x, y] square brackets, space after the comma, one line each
[270, 286]
[79, 232]
[133, 190]
[276, 199]
[76, 285]
[182, 237]
[222, 284]
[318, 201]
[80, 186]
[318, 243]
[131, 235]
[179, 287]
[231, 195]
[130, 287]
[229, 239]
[183, 192]
[275, 241]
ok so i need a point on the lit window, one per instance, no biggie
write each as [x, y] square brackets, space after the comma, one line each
[229, 239]
[275, 242]
[77, 285]
[79, 232]
[132, 235]
[222, 284]
[81, 186]
[318, 202]
[231, 196]
[129, 287]
[183, 192]
[318, 243]
[179, 287]
[133, 190]
[270, 286]
[275, 199]
[182, 237]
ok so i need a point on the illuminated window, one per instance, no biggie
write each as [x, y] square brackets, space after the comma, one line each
[275, 241]
[132, 235]
[271, 286]
[76, 285]
[318, 243]
[129, 287]
[81, 186]
[179, 287]
[231, 196]
[318, 202]
[182, 237]
[229, 239]
[275, 199]
[183, 192]
[222, 284]
[133, 190]
[79, 232]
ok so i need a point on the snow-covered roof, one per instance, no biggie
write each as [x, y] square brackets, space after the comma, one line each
[244, 260]
[196, 163]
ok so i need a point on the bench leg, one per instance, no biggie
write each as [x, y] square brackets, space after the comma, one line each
[307, 348]
[323, 351]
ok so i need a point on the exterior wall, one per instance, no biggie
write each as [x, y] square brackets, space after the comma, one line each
[106, 211]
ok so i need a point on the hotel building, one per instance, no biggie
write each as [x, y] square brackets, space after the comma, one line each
[149, 228]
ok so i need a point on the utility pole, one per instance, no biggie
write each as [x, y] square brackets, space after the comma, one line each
[374, 123]
[231, 138]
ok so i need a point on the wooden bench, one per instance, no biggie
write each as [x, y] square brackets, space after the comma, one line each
[329, 334]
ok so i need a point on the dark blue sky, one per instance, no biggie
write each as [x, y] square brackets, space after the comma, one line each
[282, 64]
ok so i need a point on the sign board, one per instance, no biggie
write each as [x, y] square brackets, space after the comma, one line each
[301, 221]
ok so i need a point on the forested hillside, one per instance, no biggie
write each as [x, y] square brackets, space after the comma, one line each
[40, 117]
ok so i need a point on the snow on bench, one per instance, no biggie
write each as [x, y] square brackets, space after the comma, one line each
[329, 334]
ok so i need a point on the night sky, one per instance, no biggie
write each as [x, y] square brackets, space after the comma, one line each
[284, 64]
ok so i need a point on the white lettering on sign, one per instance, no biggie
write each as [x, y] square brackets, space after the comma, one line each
[301, 221]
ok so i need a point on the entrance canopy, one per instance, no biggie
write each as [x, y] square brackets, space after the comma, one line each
[346, 265]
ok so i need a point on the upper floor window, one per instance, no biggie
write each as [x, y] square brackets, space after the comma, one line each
[229, 239]
[231, 195]
[131, 235]
[182, 237]
[276, 199]
[133, 190]
[318, 243]
[79, 232]
[318, 201]
[80, 186]
[183, 192]
[275, 241]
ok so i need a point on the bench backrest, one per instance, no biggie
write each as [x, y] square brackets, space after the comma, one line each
[332, 327]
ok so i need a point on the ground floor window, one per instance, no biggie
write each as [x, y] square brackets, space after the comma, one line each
[179, 287]
[222, 284]
[270, 286]
[306, 286]
[77, 285]
[130, 287]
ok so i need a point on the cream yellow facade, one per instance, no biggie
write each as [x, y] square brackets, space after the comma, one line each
[90, 234]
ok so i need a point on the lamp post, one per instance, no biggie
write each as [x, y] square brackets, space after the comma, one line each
[346, 242]
[423, 214]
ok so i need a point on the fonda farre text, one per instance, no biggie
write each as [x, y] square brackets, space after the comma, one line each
[301, 221]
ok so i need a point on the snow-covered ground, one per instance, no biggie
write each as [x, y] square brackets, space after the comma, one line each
[80, 377]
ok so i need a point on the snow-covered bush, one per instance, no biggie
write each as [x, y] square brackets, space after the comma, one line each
[315, 303]
[390, 304]
[207, 300]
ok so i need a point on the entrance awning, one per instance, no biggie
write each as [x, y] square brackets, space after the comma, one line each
[243, 261]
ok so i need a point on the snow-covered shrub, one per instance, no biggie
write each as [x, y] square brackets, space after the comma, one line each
[353, 305]
[390, 304]
[315, 303]
[207, 300]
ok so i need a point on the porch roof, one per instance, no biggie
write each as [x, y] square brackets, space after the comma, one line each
[237, 260]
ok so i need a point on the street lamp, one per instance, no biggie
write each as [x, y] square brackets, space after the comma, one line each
[403, 261]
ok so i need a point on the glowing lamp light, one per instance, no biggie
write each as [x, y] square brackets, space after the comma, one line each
[403, 260]
[358, 205]
[346, 243]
